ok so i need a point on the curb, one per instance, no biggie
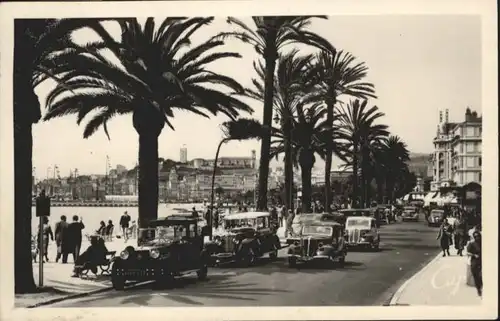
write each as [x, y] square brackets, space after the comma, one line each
[395, 298]
[68, 297]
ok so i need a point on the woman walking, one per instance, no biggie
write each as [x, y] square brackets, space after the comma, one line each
[444, 237]
[474, 252]
[44, 238]
[459, 233]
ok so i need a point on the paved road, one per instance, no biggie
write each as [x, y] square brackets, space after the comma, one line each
[367, 279]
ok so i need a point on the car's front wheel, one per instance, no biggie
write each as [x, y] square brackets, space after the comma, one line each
[274, 253]
[118, 282]
[203, 272]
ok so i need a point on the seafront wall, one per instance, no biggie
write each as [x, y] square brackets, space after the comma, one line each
[92, 204]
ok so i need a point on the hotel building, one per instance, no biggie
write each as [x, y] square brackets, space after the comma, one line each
[456, 160]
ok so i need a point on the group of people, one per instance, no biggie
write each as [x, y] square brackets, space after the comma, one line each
[463, 239]
[68, 238]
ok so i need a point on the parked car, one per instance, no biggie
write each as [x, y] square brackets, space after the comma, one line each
[436, 217]
[410, 213]
[245, 237]
[323, 240]
[169, 247]
[362, 232]
[356, 212]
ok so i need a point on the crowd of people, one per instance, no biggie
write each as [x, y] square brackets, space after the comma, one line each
[462, 238]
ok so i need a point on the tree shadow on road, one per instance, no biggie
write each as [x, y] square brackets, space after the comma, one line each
[189, 291]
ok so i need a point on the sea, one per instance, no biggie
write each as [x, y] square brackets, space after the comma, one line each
[92, 216]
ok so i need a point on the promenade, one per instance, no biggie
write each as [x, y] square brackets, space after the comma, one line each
[441, 283]
[57, 277]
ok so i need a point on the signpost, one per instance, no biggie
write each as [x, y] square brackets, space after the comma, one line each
[42, 210]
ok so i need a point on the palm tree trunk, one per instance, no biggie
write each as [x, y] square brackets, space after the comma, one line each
[288, 171]
[328, 158]
[266, 139]
[380, 190]
[210, 217]
[306, 174]
[355, 189]
[148, 178]
[23, 151]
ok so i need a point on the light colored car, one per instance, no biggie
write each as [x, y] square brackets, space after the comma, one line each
[362, 231]
[410, 213]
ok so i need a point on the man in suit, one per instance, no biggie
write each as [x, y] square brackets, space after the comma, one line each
[59, 232]
[74, 233]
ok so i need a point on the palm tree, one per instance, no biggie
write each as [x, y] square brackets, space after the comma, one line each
[240, 129]
[305, 144]
[271, 34]
[160, 72]
[392, 160]
[336, 74]
[371, 143]
[37, 42]
[289, 91]
[356, 127]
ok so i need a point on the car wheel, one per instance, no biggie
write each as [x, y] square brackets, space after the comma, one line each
[202, 273]
[118, 282]
[292, 262]
[274, 254]
[248, 258]
[342, 261]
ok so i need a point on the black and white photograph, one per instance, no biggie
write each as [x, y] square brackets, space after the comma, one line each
[248, 157]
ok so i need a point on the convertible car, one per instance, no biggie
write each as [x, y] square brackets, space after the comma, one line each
[318, 241]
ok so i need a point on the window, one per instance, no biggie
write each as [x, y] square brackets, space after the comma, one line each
[461, 148]
[470, 161]
[470, 131]
[480, 177]
[480, 161]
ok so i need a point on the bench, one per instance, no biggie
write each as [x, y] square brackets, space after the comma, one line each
[103, 268]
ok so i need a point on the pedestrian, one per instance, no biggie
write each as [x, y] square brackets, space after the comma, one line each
[274, 214]
[75, 235]
[59, 231]
[474, 252]
[280, 215]
[44, 237]
[444, 237]
[194, 213]
[289, 221]
[102, 229]
[124, 225]
[459, 234]
[109, 230]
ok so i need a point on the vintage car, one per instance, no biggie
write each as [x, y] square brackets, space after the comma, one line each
[244, 238]
[169, 247]
[436, 217]
[410, 213]
[362, 232]
[356, 212]
[323, 240]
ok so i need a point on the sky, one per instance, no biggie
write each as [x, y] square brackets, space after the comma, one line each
[418, 64]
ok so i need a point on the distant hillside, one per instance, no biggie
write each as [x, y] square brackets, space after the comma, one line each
[419, 163]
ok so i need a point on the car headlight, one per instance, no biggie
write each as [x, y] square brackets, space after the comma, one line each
[154, 253]
[124, 255]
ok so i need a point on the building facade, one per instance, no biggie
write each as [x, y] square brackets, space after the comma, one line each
[456, 160]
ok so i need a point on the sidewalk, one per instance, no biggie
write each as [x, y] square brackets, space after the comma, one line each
[441, 282]
[57, 278]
